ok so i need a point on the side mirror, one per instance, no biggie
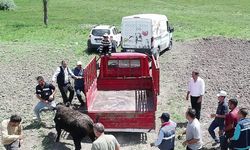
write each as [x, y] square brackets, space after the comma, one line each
[171, 28]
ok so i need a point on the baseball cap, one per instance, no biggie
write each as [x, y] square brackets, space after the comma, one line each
[79, 63]
[165, 117]
[222, 93]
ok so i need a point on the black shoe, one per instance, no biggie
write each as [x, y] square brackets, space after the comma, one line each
[67, 104]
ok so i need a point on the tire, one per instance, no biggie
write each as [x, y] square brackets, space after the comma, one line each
[170, 44]
[89, 45]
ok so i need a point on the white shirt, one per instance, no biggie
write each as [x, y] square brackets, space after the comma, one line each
[196, 88]
[67, 72]
[193, 131]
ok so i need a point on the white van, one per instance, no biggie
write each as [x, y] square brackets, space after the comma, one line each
[146, 33]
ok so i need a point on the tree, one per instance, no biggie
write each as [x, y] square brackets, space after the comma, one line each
[45, 12]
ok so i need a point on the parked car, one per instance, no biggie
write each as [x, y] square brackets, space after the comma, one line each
[96, 35]
[146, 33]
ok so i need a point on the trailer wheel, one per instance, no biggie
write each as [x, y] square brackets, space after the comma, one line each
[170, 44]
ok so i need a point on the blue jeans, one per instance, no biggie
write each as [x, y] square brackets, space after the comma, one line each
[41, 105]
[13, 146]
[213, 126]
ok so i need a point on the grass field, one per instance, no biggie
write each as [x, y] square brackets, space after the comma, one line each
[70, 21]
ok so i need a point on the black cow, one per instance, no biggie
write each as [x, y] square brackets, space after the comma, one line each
[76, 123]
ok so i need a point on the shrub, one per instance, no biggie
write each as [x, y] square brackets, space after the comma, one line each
[7, 5]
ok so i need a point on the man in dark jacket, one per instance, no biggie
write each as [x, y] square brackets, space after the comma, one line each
[61, 76]
[79, 83]
[219, 117]
[166, 137]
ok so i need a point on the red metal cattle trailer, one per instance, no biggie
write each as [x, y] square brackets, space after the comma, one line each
[123, 93]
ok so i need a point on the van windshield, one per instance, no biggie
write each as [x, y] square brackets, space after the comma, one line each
[100, 32]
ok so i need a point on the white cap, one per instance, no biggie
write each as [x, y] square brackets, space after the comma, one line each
[222, 93]
[105, 35]
[79, 63]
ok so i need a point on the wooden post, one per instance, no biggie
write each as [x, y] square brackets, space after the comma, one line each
[45, 12]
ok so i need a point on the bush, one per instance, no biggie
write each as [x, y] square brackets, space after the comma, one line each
[7, 5]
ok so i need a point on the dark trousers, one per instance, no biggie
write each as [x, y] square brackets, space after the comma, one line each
[196, 106]
[79, 90]
[13, 146]
[224, 144]
[64, 90]
[213, 126]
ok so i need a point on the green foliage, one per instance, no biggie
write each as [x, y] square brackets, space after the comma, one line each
[70, 21]
[7, 5]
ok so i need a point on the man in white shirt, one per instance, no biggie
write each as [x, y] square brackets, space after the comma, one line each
[193, 132]
[61, 76]
[196, 90]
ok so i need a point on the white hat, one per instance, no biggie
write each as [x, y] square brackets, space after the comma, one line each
[79, 63]
[105, 35]
[222, 93]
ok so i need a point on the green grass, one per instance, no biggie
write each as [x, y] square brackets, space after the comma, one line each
[70, 21]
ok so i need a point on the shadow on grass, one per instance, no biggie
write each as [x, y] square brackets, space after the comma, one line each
[36, 125]
[33, 125]
[48, 142]
[181, 124]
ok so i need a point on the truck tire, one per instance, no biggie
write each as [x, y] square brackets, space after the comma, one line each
[170, 44]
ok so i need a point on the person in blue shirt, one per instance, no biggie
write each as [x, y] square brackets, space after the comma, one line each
[79, 83]
[241, 137]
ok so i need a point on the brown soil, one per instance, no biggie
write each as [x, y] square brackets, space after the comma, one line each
[224, 64]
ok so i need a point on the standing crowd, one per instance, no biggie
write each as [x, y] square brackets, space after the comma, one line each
[232, 122]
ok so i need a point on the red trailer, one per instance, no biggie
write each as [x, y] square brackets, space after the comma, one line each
[123, 93]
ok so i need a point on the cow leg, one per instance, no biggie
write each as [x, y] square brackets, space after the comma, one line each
[58, 129]
[77, 142]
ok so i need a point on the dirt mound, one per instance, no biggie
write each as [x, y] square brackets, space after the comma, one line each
[224, 64]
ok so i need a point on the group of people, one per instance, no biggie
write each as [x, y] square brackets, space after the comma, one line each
[45, 92]
[234, 127]
[233, 124]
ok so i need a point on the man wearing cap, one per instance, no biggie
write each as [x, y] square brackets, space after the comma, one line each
[61, 76]
[79, 83]
[166, 136]
[106, 46]
[196, 90]
[219, 117]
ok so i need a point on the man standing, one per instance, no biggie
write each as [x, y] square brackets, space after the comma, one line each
[193, 132]
[241, 137]
[231, 120]
[166, 137]
[103, 141]
[219, 117]
[196, 90]
[61, 76]
[45, 92]
[79, 83]
[12, 134]
[106, 46]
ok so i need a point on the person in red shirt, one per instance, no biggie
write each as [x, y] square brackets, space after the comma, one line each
[231, 120]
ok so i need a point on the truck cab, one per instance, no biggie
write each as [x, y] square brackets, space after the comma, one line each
[123, 93]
